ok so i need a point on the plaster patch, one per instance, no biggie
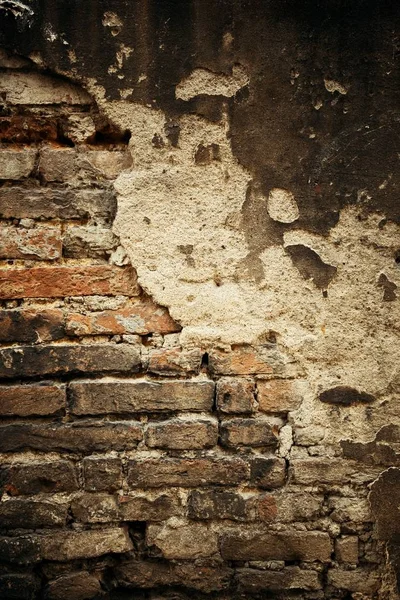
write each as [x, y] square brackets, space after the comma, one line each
[202, 81]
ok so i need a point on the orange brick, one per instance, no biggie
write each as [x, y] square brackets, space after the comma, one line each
[140, 318]
[54, 282]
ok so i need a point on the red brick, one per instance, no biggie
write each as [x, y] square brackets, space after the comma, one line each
[174, 361]
[30, 325]
[54, 282]
[142, 317]
[39, 243]
[31, 400]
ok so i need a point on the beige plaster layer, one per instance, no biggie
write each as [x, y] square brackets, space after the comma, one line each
[181, 225]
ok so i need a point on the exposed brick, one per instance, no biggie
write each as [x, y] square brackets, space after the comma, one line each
[183, 540]
[73, 586]
[142, 317]
[278, 395]
[102, 397]
[31, 400]
[60, 359]
[76, 437]
[217, 504]
[247, 432]
[144, 508]
[57, 164]
[105, 163]
[362, 581]
[55, 282]
[246, 360]
[31, 326]
[51, 203]
[27, 129]
[300, 506]
[174, 361]
[199, 575]
[180, 434]
[104, 508]
[253, 581]
[88, 241]
[102, 474]
[31, 514]
[346, 549]
[17, 586]
[186, 472]
[72, 545]
[268, 473]
[332, 471]
[22, 550]
[255, 544]
[40, 243]
[236, 395]
[23, 88]
[17, 162]
[356, 510]
[38, 477]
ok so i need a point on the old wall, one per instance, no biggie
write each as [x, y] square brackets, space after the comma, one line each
[199, 247]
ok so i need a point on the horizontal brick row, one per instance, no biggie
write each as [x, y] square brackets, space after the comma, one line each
[105, 474]
[138, 316]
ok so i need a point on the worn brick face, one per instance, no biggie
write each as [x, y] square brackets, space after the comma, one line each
[182, 434]
[55, 282]
[31, 326]
[40, 243]
[30, 400]
[39, 477]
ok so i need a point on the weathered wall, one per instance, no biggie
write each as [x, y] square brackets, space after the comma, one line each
[199, 248]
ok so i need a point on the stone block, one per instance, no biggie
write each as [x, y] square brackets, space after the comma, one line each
[61, 359]
[18, 586]
[17, 162]
[346, 549]
[28, 514]
[57, 164]
[74, 545]
[23, 549]
[32, 400]
[90, 241]
[181, 540]
[252, 581]
[179, 434]
[102, 474]
[74, 586]
[139, 395]
[217, 504]
[361, 581]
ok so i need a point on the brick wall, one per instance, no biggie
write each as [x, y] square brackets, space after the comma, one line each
[133, 467]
